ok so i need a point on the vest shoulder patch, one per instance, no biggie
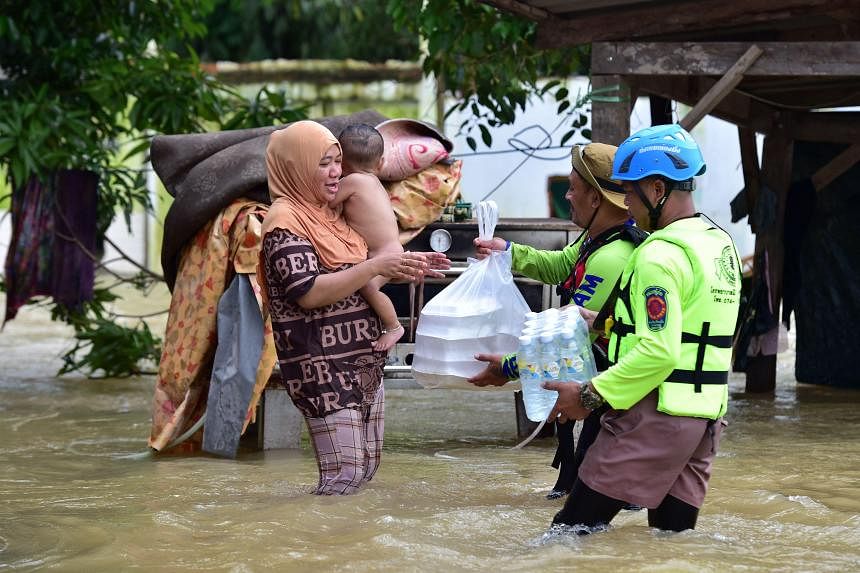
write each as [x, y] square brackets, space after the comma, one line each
[656, 307]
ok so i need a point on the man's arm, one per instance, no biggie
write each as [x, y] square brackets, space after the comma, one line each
[548, 267]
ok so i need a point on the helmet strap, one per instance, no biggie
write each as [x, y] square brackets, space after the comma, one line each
[593, 215]
[654, 211]
[646, 202]
[658, 209]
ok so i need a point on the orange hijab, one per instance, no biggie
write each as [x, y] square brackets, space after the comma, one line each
[292, 161]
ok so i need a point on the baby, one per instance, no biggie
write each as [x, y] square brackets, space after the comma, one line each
[367, 209]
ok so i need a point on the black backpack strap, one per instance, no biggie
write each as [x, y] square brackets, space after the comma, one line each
[636, 236]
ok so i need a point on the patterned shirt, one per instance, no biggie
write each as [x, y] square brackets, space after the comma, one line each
[325, 354]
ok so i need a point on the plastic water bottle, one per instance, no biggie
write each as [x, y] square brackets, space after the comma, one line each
[589, 366]
[528, 363]
[572, 364]
[536, 352]
[549, 357]
[527, 359]
[575, 321]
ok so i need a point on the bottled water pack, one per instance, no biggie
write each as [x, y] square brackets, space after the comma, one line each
[553, 347]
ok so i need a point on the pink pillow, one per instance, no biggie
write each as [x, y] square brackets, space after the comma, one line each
[410, 147]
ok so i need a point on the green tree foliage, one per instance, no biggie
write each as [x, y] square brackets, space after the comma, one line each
[82, 79]
[487, 60]
[251, 30]
[103, 347]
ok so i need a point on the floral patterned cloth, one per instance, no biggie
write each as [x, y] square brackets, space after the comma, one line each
[420, 199]
[229, 244]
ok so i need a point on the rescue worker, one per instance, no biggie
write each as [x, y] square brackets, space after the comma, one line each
[670, 348]
[585, 271]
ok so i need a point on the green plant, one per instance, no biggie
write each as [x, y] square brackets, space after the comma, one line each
[106, 349]
[487, 60]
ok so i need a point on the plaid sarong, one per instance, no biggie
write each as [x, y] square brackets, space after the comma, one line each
[348, 446]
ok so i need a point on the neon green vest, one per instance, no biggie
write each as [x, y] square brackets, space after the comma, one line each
[698, 387]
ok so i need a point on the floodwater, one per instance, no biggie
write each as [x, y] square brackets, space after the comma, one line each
[78, 492]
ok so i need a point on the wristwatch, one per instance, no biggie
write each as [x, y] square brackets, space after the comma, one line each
[589, 397]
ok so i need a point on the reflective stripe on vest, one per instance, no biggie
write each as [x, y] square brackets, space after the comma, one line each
[698, 376]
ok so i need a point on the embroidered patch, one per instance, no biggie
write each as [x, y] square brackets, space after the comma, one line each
[655, 306]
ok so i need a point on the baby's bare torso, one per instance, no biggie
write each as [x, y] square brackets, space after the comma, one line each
[367, 209]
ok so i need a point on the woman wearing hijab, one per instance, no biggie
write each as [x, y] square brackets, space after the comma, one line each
[312, 265]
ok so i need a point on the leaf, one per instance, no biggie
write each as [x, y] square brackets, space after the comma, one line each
[485, 135]
[586, 133]
[6, 144]
[18, 173]
[561, 94]
[140, 147]
[609, 99]
[563, 106]
[470, 141]
[548, 86]
[567, 136]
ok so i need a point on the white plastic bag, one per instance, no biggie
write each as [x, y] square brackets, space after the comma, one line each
[482, 311]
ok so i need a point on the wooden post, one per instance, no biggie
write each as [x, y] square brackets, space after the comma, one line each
[610, 121]
[749, 161]
[776, 177]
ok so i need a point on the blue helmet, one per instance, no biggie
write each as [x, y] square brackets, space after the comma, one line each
[666, 150]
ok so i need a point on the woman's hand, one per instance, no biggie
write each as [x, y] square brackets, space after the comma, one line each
[436, 262]
[484, 248]
[406, 266]
[492, 374]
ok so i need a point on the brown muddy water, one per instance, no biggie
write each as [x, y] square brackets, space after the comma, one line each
[78, 493]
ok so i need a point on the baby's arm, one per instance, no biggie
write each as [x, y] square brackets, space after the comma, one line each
[345, 188]
[368, 211]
